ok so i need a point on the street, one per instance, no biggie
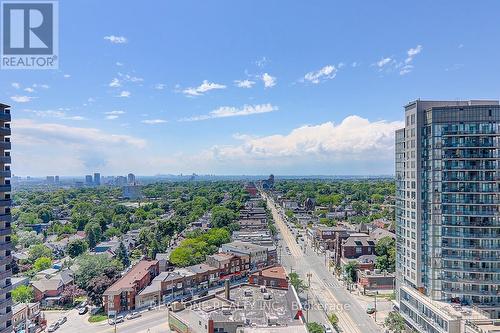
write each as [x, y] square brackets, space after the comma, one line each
[150, 322]
[324, 287]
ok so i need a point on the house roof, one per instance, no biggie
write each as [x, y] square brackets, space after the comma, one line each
[136, 273]
[44, 285]
[200, 268]
[276, 272]
[379, 233]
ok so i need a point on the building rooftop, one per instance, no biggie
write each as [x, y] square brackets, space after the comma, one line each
[247, 306]
[129, 279]
[276, 272]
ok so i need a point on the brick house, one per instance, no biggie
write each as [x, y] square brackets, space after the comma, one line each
[357, 245]
[121, 295]
[273, 276]
[48, 289]
[229, 264]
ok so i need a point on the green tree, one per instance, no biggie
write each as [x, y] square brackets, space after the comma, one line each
[314, 327]
[395, 322]
[42, 263]
[122, 255]
[333, 319]
[76, 247]
[23, 294]
[45, 214]
[38, 251]
[94, 234]
[351, 271]
[222, 216]
[297, 282]
[91, 266]
[386, 254]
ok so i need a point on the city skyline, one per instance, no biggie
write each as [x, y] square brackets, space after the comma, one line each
[247, 98]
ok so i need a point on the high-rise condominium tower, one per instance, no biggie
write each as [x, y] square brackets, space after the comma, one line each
[448, 222]
[5, 220]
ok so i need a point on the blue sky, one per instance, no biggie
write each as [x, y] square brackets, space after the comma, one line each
[244, 87]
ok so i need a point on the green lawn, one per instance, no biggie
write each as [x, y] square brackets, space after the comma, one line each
[97, 318]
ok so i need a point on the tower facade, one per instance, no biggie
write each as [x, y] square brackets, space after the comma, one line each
[5, 222]
[447, 217]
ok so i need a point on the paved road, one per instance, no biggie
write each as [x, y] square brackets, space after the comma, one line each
[325, 288]
[150, 322]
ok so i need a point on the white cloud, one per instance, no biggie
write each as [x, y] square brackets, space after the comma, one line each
[130, 78]
[29, 90]
[115, 112]
[262, 62]
[60, 114]
[115, 83]
[269, 81]
[405, 69]
[119, 63]
[384, 61]
[116, 39]
[153, 121]
[354, 64]
[21, 99]
[325, 73]
[244, 83]
[66, 76]
[460, 45]
[111, 117]
[203, 88]
[160, 86]
[37, 85]
[230, 111]
[354, 139]
[15, 85]
[125, 94]
[412, 53]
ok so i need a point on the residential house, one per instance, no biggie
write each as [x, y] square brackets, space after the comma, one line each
[48, 288]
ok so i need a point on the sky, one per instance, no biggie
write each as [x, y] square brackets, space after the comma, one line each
[243, 87]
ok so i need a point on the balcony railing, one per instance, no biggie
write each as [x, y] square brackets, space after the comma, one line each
[5, 131]
[5, 188]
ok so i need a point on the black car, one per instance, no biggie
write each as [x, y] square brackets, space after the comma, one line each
[203, 293]
[187, 298]
[83, 310]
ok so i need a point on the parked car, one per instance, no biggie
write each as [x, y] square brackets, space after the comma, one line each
[203, 293]
[83, 310]
[117, 320]
[328, 329]
[62, 321]
[370, 310]
[187, 298]
[82, 304]
[53, 327]
[133, 315]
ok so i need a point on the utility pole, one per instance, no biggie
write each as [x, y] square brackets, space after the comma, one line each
[375, 314]
[308, 288]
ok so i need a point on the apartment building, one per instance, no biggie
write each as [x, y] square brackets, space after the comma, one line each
[447, 219]
[5, 221]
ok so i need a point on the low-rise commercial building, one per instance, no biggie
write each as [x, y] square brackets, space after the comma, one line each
[229, 264]
[273, 276]
[258, 256]
[375, 280]
[121, 295]
[241, 309]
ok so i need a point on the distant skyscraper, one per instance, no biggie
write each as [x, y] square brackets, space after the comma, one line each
[97, 178]
[131, 178]
[447, 212]
[50, 180]
[88, 180]
[56, 178]
[5, 221]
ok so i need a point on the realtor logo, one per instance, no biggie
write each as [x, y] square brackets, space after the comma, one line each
[29, 35]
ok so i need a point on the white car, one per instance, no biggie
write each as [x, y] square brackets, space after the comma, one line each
[117, 320]
[328, 329]
[53, 327]
[133, 315]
